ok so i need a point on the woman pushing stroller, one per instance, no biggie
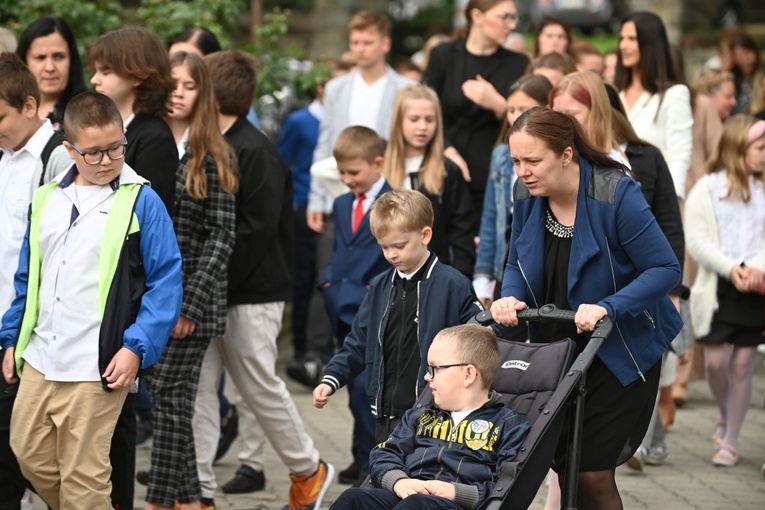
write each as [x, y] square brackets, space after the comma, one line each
[583, 238]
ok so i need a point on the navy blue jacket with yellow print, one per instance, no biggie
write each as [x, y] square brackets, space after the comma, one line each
[427, 446]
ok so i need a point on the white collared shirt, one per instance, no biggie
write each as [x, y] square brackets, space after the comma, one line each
[364, 106]
[19, 171]
[64, 343]
[369, 196]
[183, 143]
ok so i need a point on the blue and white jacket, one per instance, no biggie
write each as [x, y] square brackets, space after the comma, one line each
[620, 260]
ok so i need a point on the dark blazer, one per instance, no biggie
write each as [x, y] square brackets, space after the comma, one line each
[261, 265]
[651, 171]
[356, 260]
[153, 153]
[620, 260]
[472, 130]
[205, 231]
[452, 240]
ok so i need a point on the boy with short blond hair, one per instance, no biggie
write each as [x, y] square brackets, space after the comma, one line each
[98, 291]
[466, 426]
[403, 311]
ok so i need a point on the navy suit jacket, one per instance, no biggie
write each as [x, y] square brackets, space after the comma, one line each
[356, 260]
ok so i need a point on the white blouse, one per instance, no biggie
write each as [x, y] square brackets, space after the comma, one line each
[741, 225]
[668, 126]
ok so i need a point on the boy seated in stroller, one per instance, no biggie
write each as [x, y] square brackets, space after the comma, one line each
[447, 454]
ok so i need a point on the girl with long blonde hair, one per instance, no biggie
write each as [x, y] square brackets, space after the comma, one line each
[414, 160]
[725, 233]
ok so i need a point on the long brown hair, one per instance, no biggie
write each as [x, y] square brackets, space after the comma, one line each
[559, 131]
[204, 136]
[433, 171]
[729, 156]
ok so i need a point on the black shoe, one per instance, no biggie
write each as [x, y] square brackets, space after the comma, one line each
[245, 480]
[229, 429]
[350, 475]
[142, 477]
[307, 373]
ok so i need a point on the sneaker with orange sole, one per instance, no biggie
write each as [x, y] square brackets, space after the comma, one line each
[307, 492]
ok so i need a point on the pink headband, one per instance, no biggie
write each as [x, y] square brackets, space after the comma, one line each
[755, 132]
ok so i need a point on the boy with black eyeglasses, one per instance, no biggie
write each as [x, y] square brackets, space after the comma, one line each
[448, 454]
[98, 291]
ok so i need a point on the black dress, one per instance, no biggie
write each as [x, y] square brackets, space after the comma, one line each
[739, 319]
[615, 417]
[469, 128]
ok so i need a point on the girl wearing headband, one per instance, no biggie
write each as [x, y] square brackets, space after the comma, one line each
[725, 233]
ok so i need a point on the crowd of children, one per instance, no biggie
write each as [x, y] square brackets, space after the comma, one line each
[153, 236]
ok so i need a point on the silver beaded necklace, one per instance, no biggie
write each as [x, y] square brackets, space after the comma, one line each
[556, 228]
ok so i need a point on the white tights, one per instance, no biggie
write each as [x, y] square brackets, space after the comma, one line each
[729, 373]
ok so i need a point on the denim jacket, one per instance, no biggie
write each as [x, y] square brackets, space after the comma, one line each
[497, 203]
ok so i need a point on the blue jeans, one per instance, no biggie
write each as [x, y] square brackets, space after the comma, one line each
[382, 499]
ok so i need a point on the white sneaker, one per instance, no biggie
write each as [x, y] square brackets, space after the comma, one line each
[636, 461]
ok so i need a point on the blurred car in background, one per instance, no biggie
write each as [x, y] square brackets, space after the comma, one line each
[722, 13]
[585, 15]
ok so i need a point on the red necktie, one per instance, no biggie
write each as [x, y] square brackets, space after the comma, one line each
[358, 212]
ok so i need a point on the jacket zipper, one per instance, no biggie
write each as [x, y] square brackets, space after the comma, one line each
[648, 315]
[613, 278]
[375, 411]
[536, 304]
[419, 367]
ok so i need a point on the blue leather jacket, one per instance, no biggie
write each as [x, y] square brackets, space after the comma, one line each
[620, 260]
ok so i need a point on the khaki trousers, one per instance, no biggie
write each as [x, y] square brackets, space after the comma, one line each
[248, 353]
[61, 434]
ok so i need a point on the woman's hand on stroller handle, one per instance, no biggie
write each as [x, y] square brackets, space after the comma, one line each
[505, 310]
[588, 316]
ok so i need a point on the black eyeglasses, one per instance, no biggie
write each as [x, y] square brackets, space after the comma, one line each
[431, 370]
[95, 156]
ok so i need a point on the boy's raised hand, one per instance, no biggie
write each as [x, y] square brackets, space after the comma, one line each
[122, 369]
[321, 395]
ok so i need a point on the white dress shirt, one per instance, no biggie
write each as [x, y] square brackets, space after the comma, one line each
[64, 343]
[19, 175]
[369, 196]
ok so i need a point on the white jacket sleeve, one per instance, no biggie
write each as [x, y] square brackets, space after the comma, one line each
[676, 116]
[701, 236]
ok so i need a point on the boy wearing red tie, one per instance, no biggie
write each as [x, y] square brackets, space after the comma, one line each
[356, 260]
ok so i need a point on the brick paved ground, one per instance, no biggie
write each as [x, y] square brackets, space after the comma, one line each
[686, 481]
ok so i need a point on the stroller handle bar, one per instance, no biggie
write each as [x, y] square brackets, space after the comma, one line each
[551, 313]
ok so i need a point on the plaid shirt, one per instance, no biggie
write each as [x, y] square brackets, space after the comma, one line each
[205, 231]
